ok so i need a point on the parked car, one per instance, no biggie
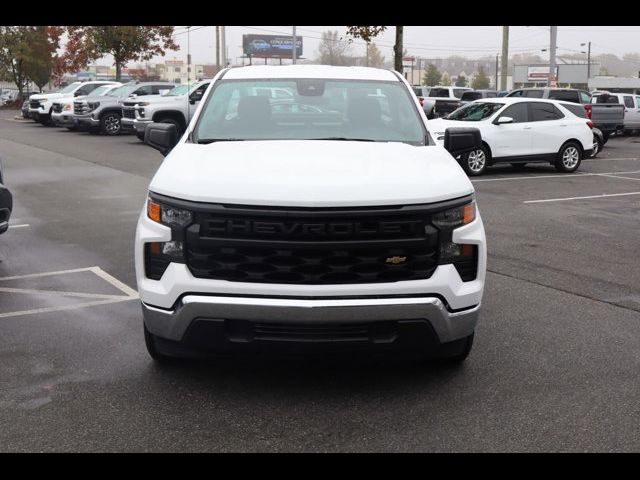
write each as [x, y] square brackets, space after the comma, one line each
[580, 111]
[62, 114]
[472, 95]
[6, 203]
[521, 131]
[566, 94]
[631, 107]
[503, 93]
[103, 113]
[41, 104]
[607, 113]
[175, 107]
[447, 99]
[263, 230]
[426, 103]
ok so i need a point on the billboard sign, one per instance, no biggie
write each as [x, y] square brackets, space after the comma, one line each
[539, 74]
[278, 46]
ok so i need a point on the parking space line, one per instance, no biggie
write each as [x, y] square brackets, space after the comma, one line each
[66, 307]
[57, 292]
[534, 177]
[115, 282]
[582, 198]
[46, 274]
[22, 225]
[618, 176]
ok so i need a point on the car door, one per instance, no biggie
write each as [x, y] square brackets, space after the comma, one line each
[549, 128]
[510, 139]
[631, 111]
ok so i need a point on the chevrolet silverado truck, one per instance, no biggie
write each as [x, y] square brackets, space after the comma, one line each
[175, 107]
[103, 113]
[41, 104]
[62, 111]
[338, 227]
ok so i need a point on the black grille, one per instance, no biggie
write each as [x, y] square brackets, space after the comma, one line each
[312, 247]
[34, 104]
[78, 108]
[57, 107]
[128, 113]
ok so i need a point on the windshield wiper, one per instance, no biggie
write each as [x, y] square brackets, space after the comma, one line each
[346, 139]
[211, 140]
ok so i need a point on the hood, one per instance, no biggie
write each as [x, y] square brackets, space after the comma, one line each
[49, 96]
[156, 99]
[310, 173]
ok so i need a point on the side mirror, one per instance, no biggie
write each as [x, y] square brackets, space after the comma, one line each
[77, 93]
[462, 140]
[195, 96]
[161, 136]
[501, 120]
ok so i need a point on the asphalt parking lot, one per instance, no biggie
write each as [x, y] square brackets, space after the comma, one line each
[554, 365]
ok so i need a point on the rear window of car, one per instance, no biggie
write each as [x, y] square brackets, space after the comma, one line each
[470, 96]
[605, 99]
[532, 93]
[565, 95]
[577, 110]
[439, 92]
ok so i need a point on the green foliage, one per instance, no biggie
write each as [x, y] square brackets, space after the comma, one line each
[481, 81]
[446, 80]
[461, 81]
[432, 76]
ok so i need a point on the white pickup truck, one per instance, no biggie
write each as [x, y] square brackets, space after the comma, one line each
[631, 104]
[330, 219]
[41, 104]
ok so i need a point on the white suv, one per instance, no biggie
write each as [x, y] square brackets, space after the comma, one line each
[336, 223]
[521, 131]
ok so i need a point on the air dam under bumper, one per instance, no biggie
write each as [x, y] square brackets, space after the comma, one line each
[237, 319]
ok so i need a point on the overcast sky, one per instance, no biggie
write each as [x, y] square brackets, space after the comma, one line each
[422, 41]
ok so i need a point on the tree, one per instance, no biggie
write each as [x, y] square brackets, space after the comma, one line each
[481, 81]
[125, 43]
[375, 58]
[461, 81]
[14, 51]
[432, 76]
[333, 50]
[43, 45]
[367, 33]
[446, 79]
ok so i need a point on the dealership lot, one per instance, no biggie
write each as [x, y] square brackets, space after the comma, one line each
[554, 364]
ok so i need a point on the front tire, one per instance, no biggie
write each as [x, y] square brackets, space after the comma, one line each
[475, 162]
[110, 123]
[569, 157]
[172, 121]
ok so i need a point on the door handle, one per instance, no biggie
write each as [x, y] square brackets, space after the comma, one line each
[527, 128]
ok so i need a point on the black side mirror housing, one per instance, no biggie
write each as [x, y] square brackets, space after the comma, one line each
[161, 136]
[462, 140]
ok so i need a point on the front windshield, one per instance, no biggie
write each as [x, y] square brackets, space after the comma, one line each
[310, 109]
[176, 91]
[100, 90]
[476, 111]
[123, 91]
[69, 88]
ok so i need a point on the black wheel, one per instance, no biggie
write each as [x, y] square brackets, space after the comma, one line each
[597, 146]
[173, 122]
[45, 119]
[110, 123]
[569, 157]
[605, 137]
[475, 162]
[455, 352]
[151, 344]
[519, 166]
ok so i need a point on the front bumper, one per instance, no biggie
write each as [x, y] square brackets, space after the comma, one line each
[226, 323]
[64, 119]
[140, 125]
[86, 120]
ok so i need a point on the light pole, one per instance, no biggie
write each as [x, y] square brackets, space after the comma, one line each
[588, 60]
[293, 50]
[552, 58]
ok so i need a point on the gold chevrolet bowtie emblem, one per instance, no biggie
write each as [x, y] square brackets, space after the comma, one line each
[396, 260]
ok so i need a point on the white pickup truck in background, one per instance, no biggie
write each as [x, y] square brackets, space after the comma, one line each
[631, 104]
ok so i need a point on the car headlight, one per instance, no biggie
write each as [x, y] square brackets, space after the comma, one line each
[158, 255]
[67, 107]
[464, 257]
[93, 105]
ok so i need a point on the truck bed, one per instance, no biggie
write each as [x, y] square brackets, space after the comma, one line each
[608, 117]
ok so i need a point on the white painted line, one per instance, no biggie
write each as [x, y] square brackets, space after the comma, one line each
[582, 198]
[561, 175]
[115, 282]
[65, 307]
[22, 225]
[46, 274]
[626, 178]
[610, 159]
[58, 293]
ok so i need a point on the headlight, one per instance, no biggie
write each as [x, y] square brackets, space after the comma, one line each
[455, 217]
[93, 105]
[67, 107]
[464, 257]
[158, 255]
[168, 215]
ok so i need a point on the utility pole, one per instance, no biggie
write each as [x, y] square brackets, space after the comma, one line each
[504, 64]
[293, 50]
[367, 60]
[218, 48]
[552, 58]
[223, 47]
[588, 63]
[496, 71]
